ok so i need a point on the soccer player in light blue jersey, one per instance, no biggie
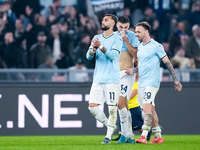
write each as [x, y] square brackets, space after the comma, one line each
[149, 54]
[106, 81]
[128, 53]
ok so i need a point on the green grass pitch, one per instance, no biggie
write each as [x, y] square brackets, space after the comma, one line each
[90, 142]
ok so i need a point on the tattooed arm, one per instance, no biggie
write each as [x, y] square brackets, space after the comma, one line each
[169, 66]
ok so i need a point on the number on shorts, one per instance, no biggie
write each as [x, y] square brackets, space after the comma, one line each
[123, 88]
[112, 95]
[147, 95]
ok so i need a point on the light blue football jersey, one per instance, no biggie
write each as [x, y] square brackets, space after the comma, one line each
[107, 65]
[149, 57]
[132, 39]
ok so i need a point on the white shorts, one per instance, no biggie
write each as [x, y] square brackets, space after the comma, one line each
[101, 93]
[127, 82]
[147, 95]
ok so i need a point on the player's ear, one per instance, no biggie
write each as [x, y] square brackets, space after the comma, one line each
[146, 31]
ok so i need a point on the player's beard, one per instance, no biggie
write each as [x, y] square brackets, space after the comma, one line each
[105, 28]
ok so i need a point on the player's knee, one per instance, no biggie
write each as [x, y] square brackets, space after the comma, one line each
[93, 105]
[93, 110]
[146, 127]
[156, 129]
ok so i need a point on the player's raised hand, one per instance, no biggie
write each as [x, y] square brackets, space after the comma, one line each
[124, 36]
[177, 86]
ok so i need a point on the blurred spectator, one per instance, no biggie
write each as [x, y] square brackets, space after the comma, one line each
[175, 38]
[163, 10]
[127, 13]
[82, 20]
[136, 7]
[53, 9]
[82, 6]
[149, 16]
[81, 50]
[182, 6]
[13, 54]
[77, 73]
[4, 25]
[39, 23]
[192, 47]
[6, 8]
[184, 39]
[49, 64]
[59, 46]
[19, 7]
[73, 20]
[183, 61]
[19, 28]
[39, 51]
[166, 47]
[194, 16]
[88, 25]
[69, 43]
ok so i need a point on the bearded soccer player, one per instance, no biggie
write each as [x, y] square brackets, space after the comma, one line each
[106, 82]
[149, 55]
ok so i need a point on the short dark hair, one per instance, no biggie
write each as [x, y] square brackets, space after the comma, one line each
[123, 19]
[145, 25]
[113, 17]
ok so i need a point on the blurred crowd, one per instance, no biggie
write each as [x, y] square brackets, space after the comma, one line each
[57, 36]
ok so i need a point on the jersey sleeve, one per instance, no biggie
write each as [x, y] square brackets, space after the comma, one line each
[135, 42]
[117, 45]
[160, 51]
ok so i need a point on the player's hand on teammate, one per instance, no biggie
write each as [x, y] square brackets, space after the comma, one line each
[129, 71]
[177, 85]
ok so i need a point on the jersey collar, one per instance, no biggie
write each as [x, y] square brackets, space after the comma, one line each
[108, 36]
[147, 42]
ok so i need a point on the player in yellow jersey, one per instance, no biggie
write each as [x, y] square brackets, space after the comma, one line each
[135, 110]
